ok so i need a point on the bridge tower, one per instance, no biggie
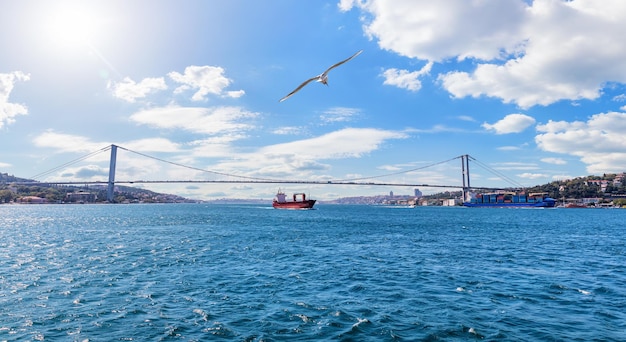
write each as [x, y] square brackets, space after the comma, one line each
[466, 174]
[112, 162]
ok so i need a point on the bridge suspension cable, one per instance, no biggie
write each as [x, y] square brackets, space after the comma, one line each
[396, 173]
[196, 168]
[72, 162]
[497, 173]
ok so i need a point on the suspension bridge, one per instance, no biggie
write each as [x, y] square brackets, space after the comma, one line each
[236, 179]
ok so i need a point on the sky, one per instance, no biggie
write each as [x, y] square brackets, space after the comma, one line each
[534, 91]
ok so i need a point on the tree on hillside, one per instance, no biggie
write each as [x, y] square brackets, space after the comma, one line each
[6, 196]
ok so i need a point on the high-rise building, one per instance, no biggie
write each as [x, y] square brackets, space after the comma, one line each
[418, 193]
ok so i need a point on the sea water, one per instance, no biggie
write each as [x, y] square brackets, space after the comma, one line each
[200, 272]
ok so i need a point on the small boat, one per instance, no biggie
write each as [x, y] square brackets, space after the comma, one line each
[510, 199]
[299, 201]
[400, 206]
[576, 205]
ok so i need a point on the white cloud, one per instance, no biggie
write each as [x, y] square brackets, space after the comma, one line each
[209, 150]
[512, 123]
[339, 114]
[532, 53]
[620, 98]
[86, 172]
[508, 166]
[67, 142]
[438, 30]
[205, 80]
[405, 79]
[8, 110]
[438, 129]
[346, 5]
[561, 177]
[528, 175]
[345, 143]
[466, 118]
[213, 120]
[130, 91]
[72, 143]
[509, 148]
[235, 93]
[304, 158]
[288, 130]
[599, 142]
[153, 144]
[555, 161]
[215, 146]
[389, 168]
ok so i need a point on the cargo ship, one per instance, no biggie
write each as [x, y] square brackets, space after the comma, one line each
[510, 199]
[299, 201]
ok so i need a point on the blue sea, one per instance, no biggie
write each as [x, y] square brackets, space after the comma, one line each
[201, 272]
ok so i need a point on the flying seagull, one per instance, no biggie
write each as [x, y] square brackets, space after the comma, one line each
[322, 78]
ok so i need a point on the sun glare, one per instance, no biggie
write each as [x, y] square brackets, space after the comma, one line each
[70, 26]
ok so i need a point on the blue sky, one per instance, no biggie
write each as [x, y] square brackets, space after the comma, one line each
[532, 89]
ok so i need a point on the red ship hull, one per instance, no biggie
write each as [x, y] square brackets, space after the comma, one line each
[308, 204]
[299, 201]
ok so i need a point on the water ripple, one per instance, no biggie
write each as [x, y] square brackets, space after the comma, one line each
[198, 272]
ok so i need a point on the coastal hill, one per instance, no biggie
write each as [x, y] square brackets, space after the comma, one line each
[10, 192]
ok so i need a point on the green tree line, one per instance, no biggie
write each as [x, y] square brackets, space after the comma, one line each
[57, 194]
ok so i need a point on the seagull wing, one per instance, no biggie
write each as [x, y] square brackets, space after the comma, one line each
[299, 87]
[340, 63]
